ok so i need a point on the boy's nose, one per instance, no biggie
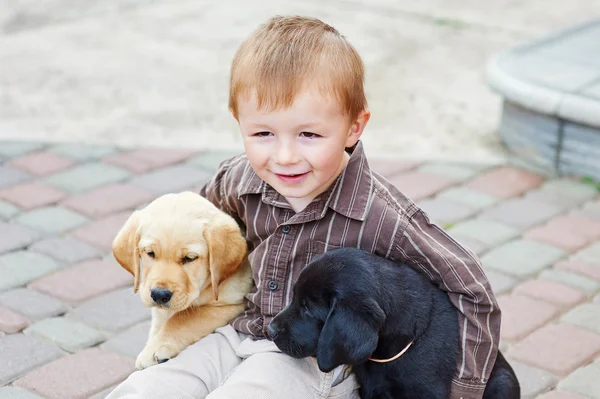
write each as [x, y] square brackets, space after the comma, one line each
[286, 155]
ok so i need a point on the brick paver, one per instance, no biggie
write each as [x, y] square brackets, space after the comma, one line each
[17, 393]
[7, 210]
[78, 376]
[551, 292]
[112, 312]
[586, 269]
[521, 213]
[468, 196]
[11, 176]
[172, 179]
[523, 315]
[101, 232]
[51, 219]
[32, 304]
[75, 284]
[108, 199]
[586, 316]
[20, 353]
[533, 381]
[68, 334]
[41, 163]
[539, 242]
[570, 232]
[584, 381]
[11, 322]
[65, 249]
[522, 258]
[144, 160]
[86, 177]
[20, 267]
[32, 195]
[16, 237]
[557, 348]
[419, 185]
[506, 182]
[443, 211]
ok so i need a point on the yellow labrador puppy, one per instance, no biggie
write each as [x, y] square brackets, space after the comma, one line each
[188, 259]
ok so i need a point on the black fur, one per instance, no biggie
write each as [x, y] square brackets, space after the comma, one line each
[349, 306]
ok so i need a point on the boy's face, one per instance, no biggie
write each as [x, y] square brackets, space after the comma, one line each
[299, 150]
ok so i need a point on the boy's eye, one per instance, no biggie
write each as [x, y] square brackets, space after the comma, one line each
[309, 135]
[262, 134]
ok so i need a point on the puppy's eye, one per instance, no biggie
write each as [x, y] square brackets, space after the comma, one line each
[188, 259]
[150, 254]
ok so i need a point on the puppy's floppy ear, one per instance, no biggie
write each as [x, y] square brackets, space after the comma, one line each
[125, 247]
[350, 335]
[226, 249]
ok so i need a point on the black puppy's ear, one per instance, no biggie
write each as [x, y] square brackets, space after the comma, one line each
[350, 335]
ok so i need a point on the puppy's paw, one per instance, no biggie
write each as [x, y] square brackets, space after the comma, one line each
[145, 359]
[166, 352]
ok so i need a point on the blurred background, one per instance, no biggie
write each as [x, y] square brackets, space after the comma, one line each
[155, 73]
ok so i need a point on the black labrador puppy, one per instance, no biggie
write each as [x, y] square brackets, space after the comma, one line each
[351, 307]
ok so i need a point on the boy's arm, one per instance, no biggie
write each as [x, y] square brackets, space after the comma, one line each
[456, 270]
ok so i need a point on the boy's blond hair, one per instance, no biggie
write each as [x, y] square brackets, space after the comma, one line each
[285, 54]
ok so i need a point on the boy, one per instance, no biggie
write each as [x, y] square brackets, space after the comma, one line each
[303, 187]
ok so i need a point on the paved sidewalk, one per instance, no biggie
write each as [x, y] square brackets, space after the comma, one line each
[70, 325]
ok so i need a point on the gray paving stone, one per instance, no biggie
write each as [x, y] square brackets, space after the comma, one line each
[210, 161]
[7, 210]
[20, 353]
[112, 312]
[583, 381]
[592, 209]
[10, 176]
[589, 254]
[455, 171]
[51, 219]
[444, 212]
[172, 179]
[586, 315]
[533, 381]
[554, 199]
[488, 232]
[86, 177]
[16, 237]
[467, 196]
[522, 213]
[131, 341]
[13, 149]
[32, 304]
[82, 152]
[20, 267]
[573, 280]
[522, 258]
[569, 188]
[501, 283]
[68, 334]
[17, 393]
[66, 249]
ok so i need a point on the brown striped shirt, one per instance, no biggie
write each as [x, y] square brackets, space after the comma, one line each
[360, 209]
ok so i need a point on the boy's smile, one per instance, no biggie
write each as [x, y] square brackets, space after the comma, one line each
[299, 150]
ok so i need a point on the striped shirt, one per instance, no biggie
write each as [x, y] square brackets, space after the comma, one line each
[360, 209]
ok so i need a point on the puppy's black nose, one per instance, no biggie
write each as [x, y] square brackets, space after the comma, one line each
[160, 295]
[272, 330]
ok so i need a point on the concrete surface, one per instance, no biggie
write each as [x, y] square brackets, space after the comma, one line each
[154, 72]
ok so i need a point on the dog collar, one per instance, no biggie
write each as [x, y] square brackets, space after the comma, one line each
[391, 359]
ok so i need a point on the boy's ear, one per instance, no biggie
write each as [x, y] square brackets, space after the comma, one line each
[357, 127]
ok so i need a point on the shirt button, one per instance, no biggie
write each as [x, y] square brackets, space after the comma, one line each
[286, 229]
[273, 285]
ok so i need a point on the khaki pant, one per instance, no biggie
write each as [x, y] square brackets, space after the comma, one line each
[228, 365]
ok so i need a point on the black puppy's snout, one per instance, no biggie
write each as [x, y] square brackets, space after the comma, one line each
[160, 295]
[273, 330]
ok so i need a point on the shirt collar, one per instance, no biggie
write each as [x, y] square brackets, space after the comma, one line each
[348, 195]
